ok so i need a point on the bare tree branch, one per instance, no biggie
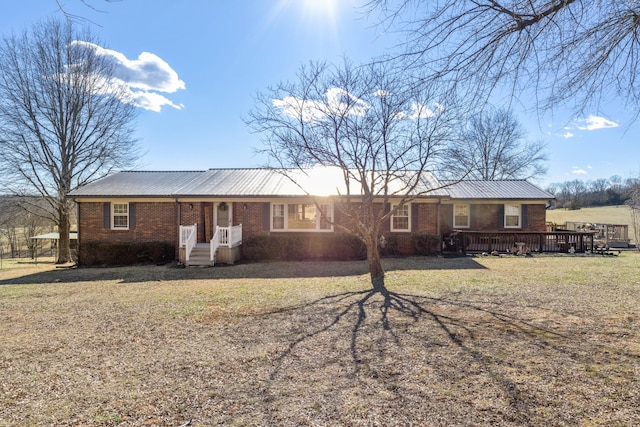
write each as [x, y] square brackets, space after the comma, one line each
[578, 52]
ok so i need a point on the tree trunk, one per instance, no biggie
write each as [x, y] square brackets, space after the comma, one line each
[375, 266]
[64, 243]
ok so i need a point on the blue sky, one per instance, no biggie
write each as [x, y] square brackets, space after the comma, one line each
[209, 58]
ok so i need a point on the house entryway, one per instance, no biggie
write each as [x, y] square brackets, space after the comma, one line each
[220, 239]
[215, 213]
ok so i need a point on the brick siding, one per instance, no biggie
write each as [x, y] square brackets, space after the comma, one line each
[154, 222]
[158, 221]
[487, 218]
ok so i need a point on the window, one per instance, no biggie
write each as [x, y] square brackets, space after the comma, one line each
[512, 216]
[277, 219]
[461, 216]
[400, 219]
[301, 217]
[325, 217]
[120, 216]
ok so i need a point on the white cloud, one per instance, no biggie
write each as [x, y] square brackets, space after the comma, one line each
[308, 111]
[421, 111]
[338, 102]
[567, 135]
[381, 93]
[143, 77]
[577, 171]
[594, 123]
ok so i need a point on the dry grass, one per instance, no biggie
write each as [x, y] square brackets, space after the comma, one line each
[542, 341]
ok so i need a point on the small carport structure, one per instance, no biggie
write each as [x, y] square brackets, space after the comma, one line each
[53, 239]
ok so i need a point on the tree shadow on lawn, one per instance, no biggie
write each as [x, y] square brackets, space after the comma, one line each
[261, 270]
[401, 359]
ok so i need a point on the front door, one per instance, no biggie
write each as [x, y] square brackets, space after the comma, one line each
[223, 214]
[208, 221]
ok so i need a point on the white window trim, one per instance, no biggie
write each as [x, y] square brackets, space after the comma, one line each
[113, 226]
[468, 215]
[402, 230]
[519, 215]
[298, 230]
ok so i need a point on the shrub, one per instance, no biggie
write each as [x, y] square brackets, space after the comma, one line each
[295, 247]
[119, 253]
[426, 244]
[391, 246]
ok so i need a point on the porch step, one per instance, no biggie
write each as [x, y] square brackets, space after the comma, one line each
[200, 257]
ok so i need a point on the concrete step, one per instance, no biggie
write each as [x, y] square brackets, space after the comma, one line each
[199, 257]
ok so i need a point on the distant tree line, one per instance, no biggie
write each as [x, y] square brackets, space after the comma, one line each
[576, 193]
[20, 220]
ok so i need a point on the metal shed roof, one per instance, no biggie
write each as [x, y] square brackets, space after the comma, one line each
[73, 235]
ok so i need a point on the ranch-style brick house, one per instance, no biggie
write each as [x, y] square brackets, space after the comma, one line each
[203, 217]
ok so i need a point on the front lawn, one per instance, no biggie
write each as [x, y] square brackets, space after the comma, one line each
[486, 341]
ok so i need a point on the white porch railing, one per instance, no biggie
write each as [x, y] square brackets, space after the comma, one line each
[213, 246]
[226, 237]
[188, 238]
[229, 237]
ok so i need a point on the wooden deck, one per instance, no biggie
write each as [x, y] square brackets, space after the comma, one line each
[506, 241]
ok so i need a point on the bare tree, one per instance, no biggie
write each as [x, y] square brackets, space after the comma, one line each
[493, 146]
[9, 226]
[18, 225]
[573, 193]
[634, 204]
[566, 50]
[62, 119]
[380, 129]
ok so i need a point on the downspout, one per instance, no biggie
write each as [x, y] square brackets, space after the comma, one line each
[438, 223]
[179, 215]
[438, 216]
[77, 232]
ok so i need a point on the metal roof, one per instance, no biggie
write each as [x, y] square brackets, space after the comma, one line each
[236, 183]
[506, 189]
[138, 184]
[271, 183]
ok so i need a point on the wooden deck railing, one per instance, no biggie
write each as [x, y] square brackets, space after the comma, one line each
[504, 241]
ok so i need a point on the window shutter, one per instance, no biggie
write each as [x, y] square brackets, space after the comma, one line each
[414, 217]
[386, 226]
[473, 216]
[525, 216]
[132, 216]
[106, 209]
[501, 216]
[266, 216]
